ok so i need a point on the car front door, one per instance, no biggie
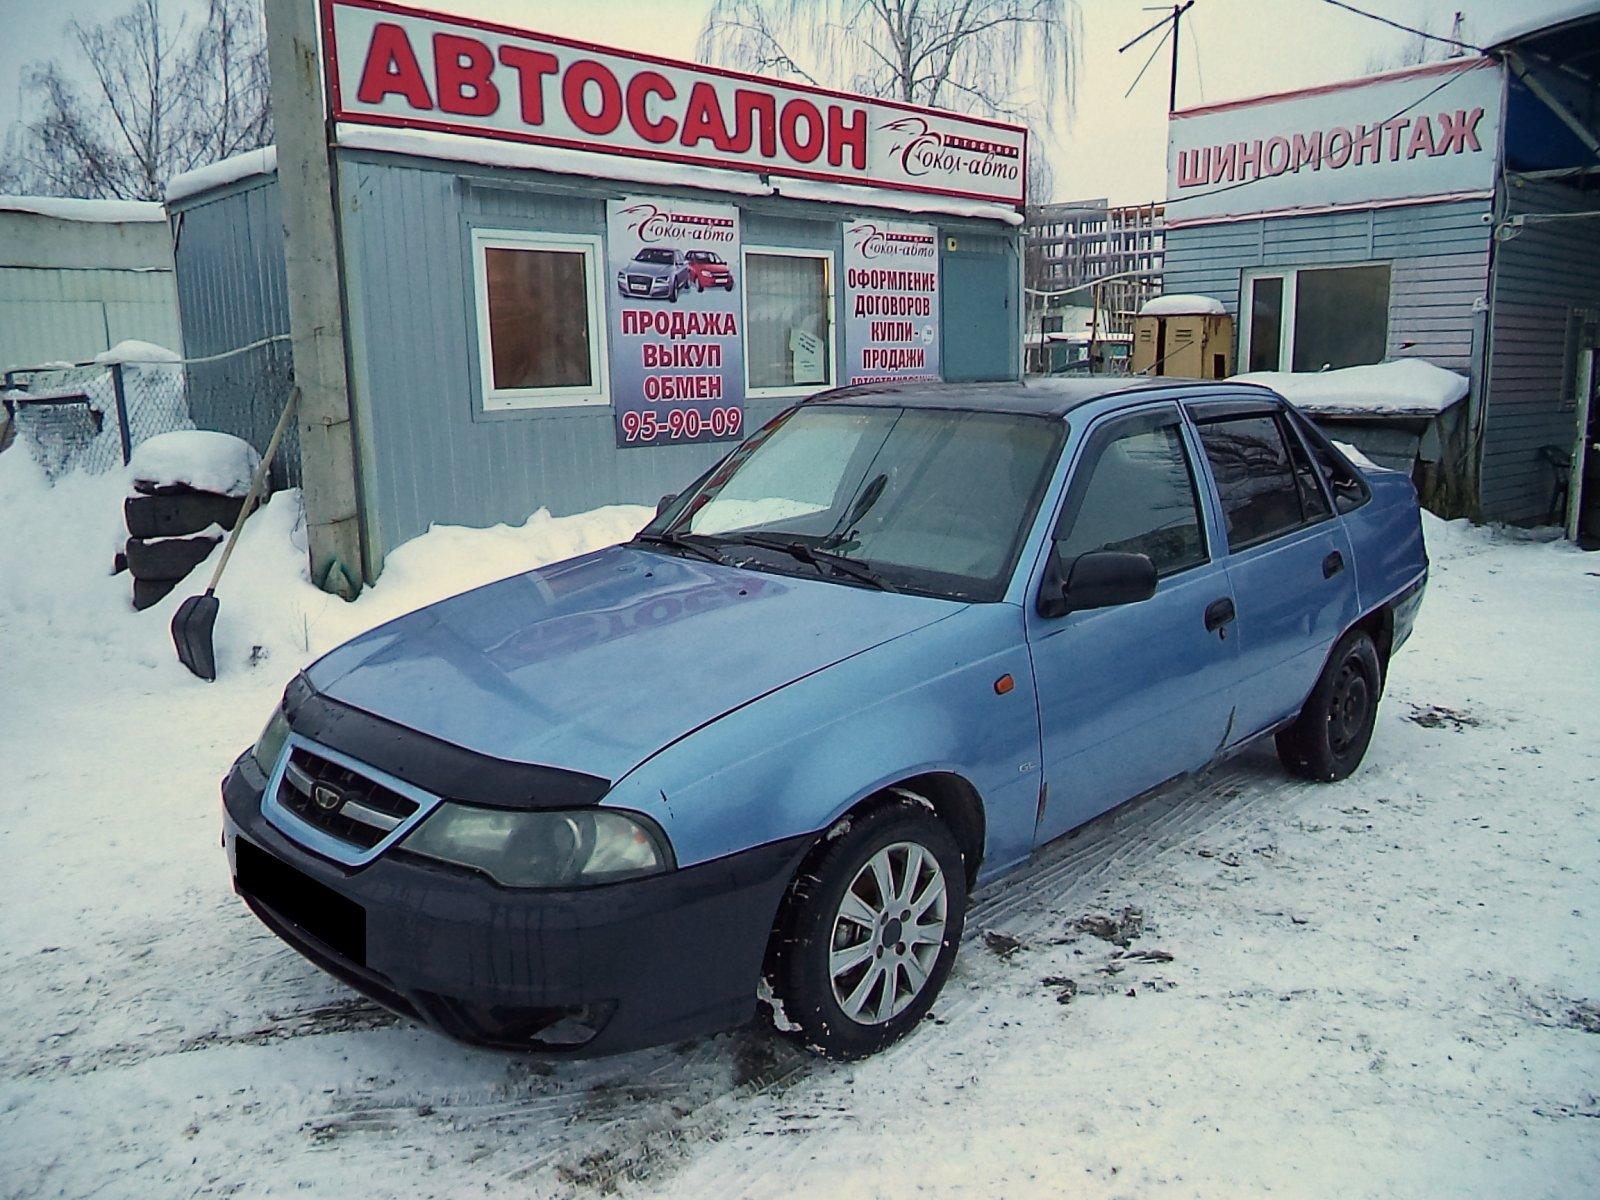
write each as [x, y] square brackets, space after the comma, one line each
[1132, 696]
[1289, 557]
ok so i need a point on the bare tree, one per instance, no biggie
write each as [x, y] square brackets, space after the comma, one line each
[1012, 58]
[163, 100]
[1436, 39]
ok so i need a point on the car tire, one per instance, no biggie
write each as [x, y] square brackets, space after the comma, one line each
[1330, 736]
[148, 592]
[728, 287]
[826, 990]
[167, 558]
[179, 514]
[699, 285]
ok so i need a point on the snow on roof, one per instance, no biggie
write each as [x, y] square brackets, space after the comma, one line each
[425, 143]
[202, 458]
[67, 208]
[1518, 22]
[1177, 305]
[452, 147]
[844, 193]
[229, 170]
[131, 350]
[1407, 387]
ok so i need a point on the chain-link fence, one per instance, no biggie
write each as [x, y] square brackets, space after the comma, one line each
[92, 416]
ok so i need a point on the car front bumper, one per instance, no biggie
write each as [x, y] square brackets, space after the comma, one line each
[590, 971]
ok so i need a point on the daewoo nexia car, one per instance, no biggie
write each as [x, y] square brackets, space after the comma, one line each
[884, 650]
[656, 273]
[709, 270]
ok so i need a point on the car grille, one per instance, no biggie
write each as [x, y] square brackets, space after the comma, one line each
[639, 283]
[340, 802]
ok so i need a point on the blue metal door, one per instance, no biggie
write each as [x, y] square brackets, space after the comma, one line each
[1132, 696]
[1290, 561]
[979, 315]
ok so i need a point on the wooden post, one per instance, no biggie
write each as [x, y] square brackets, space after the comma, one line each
[316, 294]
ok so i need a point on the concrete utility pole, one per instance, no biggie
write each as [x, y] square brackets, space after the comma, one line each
[316, 312]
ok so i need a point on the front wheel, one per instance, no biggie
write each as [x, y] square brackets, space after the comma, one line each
[869, 930]
[1330, 737]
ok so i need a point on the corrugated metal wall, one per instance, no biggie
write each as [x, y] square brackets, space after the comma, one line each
[428, 453]
[1540, 276]
[232, 293]
[49, 314]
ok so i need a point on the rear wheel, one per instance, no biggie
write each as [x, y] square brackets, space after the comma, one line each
[1330, 737]
[870, 930]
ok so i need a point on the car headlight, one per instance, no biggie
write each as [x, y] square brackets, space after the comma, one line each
[544, 849]
[270, 744]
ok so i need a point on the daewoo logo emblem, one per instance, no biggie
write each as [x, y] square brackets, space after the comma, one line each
[326, 798]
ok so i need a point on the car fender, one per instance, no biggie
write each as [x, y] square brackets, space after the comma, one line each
[797, 759]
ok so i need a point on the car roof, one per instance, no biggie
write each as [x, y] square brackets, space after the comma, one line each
[1044, 397]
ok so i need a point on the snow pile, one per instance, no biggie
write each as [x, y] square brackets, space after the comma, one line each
[132, 350]
[202, 458]
[1406, 387]
[1178, 305]
[218, 174]
[64, 208]
[1357, 458]
[55, 563]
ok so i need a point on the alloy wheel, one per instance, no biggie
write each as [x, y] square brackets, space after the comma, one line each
[887, 933]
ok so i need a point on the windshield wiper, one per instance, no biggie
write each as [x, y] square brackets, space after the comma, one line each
[818, 558]
[677, 541]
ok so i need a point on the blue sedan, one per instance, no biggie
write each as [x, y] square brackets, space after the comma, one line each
[757, 758]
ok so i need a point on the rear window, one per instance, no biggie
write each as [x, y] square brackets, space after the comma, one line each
[1349, 490]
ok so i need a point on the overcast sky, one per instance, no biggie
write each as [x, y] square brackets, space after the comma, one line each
[1112, 146]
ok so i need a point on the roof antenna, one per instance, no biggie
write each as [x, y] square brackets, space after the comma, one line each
[1171, 22]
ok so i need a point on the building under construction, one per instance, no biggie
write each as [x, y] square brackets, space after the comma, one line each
[1090, 267]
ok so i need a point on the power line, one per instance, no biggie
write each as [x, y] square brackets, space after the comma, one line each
[1421, 33]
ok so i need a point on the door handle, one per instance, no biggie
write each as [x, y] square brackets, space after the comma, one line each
[1332, 565]
[1218, 614]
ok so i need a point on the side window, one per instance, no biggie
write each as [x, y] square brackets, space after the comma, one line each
[1349, 490]
[1312, 500]
[1255, 478]
[1140, 497]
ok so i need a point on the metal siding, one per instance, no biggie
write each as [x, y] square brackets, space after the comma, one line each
[1540, 274]
[428, 453]
[48, 315]
[232, 292]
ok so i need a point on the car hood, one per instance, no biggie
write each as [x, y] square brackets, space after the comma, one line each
[659, 270]
[596, 663]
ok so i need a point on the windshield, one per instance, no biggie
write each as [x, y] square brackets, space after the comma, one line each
[932, 501]
[702, 256]
[651, 254]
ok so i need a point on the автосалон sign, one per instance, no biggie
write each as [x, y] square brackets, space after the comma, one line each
[390, 65]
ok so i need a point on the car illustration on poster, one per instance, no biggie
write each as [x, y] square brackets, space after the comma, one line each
[709, 270]
[656, 273]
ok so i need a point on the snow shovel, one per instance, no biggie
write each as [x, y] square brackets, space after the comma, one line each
[197, 616]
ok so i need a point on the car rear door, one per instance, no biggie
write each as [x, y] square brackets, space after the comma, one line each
[1131, 696]
[1288, 556]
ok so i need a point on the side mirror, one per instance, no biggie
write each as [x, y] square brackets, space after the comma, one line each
[665, 502]
[1099, 579]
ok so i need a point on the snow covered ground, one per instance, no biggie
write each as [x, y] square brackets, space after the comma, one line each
[1381, 987]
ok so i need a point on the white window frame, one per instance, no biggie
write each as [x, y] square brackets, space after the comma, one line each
[799, 389]
[597, 392]
[1291, 289]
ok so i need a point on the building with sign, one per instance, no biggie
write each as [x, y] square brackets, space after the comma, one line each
[1445, 212]
[575, 276]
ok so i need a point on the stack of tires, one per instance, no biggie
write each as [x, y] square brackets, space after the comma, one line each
[171, 529]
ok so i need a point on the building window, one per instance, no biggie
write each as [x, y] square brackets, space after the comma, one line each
[1315, 318]
[788, 320]
[541, 335]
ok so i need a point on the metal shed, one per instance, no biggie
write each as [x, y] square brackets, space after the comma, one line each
[420, 212]
[1445, 212]
[79, 276]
